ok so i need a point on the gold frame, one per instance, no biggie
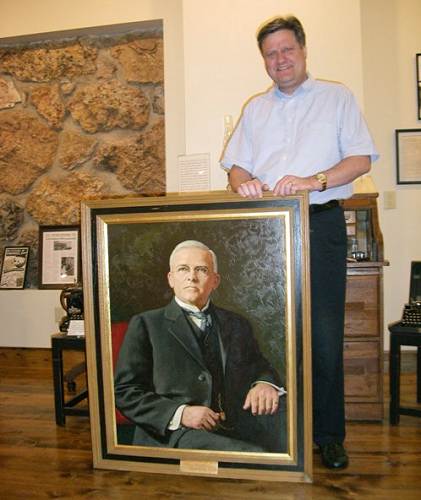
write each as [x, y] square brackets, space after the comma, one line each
[98, 217]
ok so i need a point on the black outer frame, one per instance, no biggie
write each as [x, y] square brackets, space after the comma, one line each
[25, 270]
[398, 132]
[55, 229]
[94, 210]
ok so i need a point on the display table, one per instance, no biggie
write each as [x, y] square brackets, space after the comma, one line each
[399, 336]
[60, 343]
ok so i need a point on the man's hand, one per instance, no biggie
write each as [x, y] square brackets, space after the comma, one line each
[290, 184]
[200, 417]
[252, 189]
[262, 399]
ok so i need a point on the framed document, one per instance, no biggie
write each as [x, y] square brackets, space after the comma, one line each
[261, 312]
[408, 156]
[418, 57]
[59, 256]
[13, 267]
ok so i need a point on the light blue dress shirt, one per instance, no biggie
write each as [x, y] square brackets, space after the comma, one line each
[301, 134]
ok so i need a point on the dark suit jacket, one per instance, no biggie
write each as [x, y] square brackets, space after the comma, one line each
[160, 367]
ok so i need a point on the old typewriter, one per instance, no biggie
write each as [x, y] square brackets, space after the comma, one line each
[411, 316]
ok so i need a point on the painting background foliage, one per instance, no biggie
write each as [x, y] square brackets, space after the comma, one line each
[251, 262]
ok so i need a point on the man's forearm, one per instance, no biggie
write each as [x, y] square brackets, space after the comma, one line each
[237, 176]
[347, 170]
[344, 172]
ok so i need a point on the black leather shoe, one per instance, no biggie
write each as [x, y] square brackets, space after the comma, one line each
[334, 456]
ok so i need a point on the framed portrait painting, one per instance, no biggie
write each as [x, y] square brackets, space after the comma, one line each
[168, 394]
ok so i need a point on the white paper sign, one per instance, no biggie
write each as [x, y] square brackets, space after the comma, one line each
[194, 172]
[76, 327]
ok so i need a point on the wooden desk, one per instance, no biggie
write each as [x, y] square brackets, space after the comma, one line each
[59, 343]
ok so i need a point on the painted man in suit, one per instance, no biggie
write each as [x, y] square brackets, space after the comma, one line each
[191, 375]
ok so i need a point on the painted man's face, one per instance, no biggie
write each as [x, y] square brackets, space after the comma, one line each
[192, 276]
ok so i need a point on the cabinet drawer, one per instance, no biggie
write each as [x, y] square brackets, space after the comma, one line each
[362, 306]
[362, 371]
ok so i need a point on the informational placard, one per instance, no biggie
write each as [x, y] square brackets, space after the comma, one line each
[59, 256]
[76, 328]
[194, 172]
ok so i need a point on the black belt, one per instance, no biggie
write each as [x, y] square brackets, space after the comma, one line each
[315, 208]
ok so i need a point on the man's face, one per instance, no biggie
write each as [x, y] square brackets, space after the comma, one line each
[192, 276]
[285, 60]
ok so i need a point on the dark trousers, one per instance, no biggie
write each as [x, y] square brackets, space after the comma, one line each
[328, 248]
[264, 433]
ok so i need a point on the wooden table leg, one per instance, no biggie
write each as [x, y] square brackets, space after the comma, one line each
[58, 381]
[418, 374]
[394, 379]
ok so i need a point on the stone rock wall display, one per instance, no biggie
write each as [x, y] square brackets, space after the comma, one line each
[9, 96]
[81, 117]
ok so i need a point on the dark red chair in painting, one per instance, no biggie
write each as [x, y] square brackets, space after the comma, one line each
[125, 427]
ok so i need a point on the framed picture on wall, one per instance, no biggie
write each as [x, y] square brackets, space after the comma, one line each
[418, 59]
[408, 156]
[13, 267]
[59, 256]
[257, 284]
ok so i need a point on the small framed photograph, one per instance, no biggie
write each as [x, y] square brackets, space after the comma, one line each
[349, 216]
[408, 156]
[59, 256]
[13, 268]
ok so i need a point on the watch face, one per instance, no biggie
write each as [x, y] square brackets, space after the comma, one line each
[323, 181]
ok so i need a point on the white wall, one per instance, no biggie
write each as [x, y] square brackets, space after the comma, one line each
[29, 317]
[391, 38]
[211, 51]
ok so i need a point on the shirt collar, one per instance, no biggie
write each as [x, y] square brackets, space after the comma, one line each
[307, 85]
[190, 307]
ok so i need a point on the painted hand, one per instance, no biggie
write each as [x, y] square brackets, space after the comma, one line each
[262, 399]
[200, 417]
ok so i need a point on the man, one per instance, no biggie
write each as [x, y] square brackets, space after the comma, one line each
[307, 135]
[191, 375]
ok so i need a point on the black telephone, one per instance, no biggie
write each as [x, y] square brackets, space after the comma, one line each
[71, 299]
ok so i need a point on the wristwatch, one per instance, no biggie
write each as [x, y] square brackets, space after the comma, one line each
[322, 178]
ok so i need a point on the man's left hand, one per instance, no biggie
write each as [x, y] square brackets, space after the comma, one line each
[262, 399]
[291, 184]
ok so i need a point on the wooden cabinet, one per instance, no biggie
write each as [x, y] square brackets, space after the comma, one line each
[363, 348]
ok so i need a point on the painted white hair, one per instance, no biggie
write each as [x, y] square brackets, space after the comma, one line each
[195, 244]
